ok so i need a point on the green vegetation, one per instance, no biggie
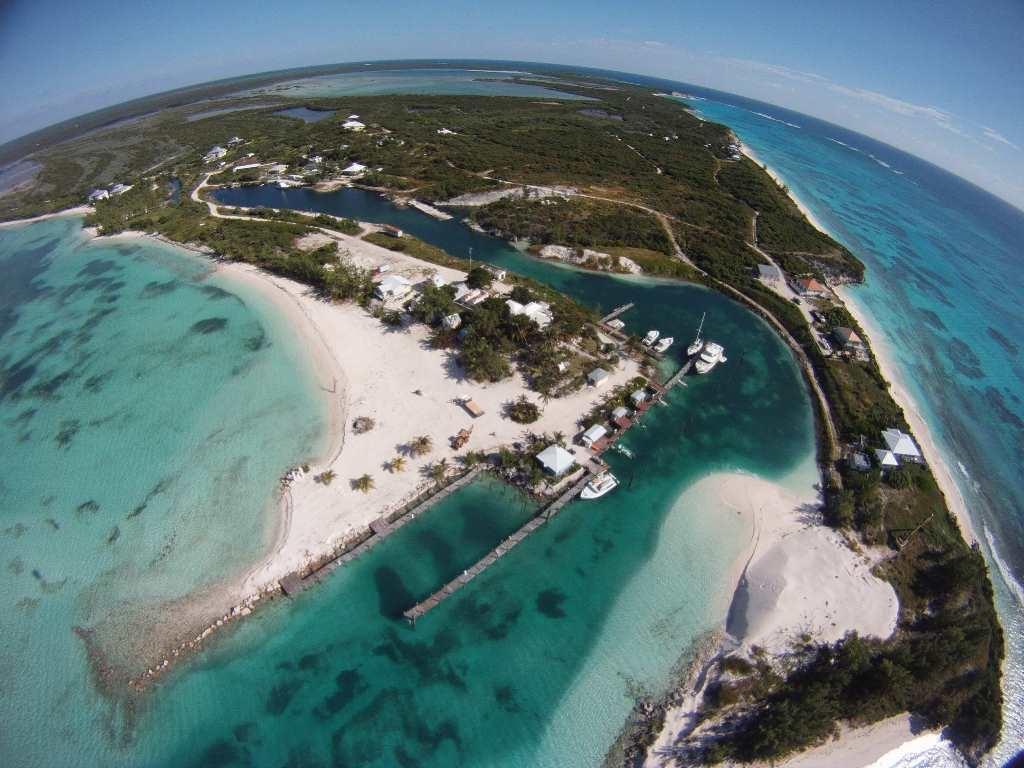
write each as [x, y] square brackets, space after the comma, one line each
[363, 484]
[944, 660]
[522, 411]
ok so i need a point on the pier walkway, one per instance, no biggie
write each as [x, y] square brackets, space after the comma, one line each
[616, 312]
[546, 513]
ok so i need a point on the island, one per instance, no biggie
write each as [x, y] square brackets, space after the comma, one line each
[628, 182]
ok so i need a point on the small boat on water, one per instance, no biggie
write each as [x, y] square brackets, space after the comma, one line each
[664, 344]
[710, 356]
[604, 483]
[651, 337]
[698, 342]
[623, 450]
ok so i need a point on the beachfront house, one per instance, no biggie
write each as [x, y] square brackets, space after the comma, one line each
[639, 397]
[556, 460]
[886, 459]
[215, 153]
[393, 287]
[848, 340]
[622, 412]
[120, 189]
[353, 168]
[451, 322]
[769, 273]
[901, 445]
[499, 274]
[537, 311]
[353, 125]
[98, 194]
[811, 288]
[592, 435]
[597, 377]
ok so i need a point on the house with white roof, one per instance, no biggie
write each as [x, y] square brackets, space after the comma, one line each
[120, 189]
[769, 273]
[353, 168]
[393, 287]
[556, 460]
[901, 445]
[98, 194]
[639, 396]
[597, 377]
[538, 311]
[592, 435]
[353, 125]
[886, 459]
[215, 153]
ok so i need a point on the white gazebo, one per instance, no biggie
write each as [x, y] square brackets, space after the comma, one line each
[556, 460]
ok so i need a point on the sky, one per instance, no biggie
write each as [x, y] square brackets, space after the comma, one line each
[941, 79]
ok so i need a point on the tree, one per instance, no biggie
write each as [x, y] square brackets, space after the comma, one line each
[363, 484]
[420, 446]
[397, 464]
[326, 477]
[482, 362]
[438, 470]
[522, 411]
[434, 304]
[521, 294]
[479, 277]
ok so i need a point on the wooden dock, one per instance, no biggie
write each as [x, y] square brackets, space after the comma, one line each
[546, 513]
[380, 529]
[616, 312]
[678, 376]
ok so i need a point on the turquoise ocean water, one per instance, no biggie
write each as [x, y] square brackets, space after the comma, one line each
[536, 663]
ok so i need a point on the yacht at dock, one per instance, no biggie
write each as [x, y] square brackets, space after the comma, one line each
[711, 355]
[604, 483]
[651, 337]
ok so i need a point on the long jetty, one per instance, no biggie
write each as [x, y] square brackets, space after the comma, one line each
[546, 513]
[616, 312]
[380, 529]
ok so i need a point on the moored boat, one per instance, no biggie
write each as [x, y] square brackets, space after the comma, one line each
[664, 344]
[651, 337]
[698, 342]
[604, 483]
[710, 356]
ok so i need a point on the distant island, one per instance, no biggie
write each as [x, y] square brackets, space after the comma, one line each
[628, 182]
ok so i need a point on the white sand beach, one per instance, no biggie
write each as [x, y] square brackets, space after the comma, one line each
[407, 388]
[79, 210]
[797, 578]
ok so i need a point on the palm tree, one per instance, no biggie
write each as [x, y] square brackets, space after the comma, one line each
[364, 484]
[325, 477]
[397, 464]
[438, 470]
[421, 445]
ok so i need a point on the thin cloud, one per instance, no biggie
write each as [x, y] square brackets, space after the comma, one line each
[993, 135]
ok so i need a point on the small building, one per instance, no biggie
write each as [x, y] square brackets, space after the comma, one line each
[769, 273]
[886, 459]
[556, 460]
[451, 322]
[353, 125]
[437, 281]
[858, 462]
[391, 230]
[622, 412]
[353, 117]
[901, 444]
[393, 287]
[592, 435]
[499, 274]
[848, 340]
[638, 397]
[316, 159]
[120, 189]
[235, 140]
[471, 406]
[98, 194]
[278, 168]
[353, 168]
[809, 286]
[597, 377]
[537, 311]
[563, 366]
[215, 153]
[246, 166]
[445, 132]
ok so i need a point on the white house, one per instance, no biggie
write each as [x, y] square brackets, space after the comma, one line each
[597, 377]
[886, 459]
[592, 435]
[98, 194]
[437, 281]
[499, 274]
[216, 153]
[538, 311]
[235, 140]
[120, 189]
[445, 132]
[452, 321]
[556, 460]
[246, 166]
[393, 287]
[353, 125]
[622, 412]
[769, 273]
[901, 444]
[639, 396]
[354, 168]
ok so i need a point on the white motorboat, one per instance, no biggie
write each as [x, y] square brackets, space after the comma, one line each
[664, 344]
[651, 337]
[698, 342]
[599, 486]
[710, 356]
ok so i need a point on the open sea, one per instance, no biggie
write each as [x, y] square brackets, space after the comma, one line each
[147, 409]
